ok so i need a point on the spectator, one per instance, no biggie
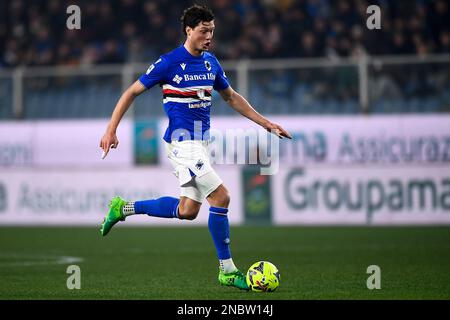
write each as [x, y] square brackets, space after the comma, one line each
[136, 31]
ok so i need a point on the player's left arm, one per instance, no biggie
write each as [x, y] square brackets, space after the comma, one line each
[241, 105]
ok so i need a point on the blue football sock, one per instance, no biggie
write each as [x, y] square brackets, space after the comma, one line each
[220, 231]
[164, 207]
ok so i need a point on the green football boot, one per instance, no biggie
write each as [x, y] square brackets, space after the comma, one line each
[114, 215]
[234, 279]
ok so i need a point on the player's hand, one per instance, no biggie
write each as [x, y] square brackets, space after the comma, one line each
[109, 140]
[277, 130]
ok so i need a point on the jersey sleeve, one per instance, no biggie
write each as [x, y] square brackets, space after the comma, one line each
[155, 73]
[221, 81]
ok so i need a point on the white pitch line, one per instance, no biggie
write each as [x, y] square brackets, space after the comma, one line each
[28, 260]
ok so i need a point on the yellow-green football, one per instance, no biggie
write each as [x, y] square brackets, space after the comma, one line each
[263, 276]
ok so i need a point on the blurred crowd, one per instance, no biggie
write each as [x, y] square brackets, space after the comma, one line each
[34, 32]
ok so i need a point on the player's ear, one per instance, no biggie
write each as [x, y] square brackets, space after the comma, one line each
[188, 31]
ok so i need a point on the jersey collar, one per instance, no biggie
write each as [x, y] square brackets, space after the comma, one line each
[190, 55]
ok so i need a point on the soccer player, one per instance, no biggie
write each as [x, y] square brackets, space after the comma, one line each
[188, 74]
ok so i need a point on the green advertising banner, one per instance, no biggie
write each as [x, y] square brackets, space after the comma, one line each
[257, 196]
[146, 142]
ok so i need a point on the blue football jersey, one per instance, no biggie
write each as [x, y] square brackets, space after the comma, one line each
[187, 82]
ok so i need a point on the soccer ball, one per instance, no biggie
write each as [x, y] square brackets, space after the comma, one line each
[263, 276]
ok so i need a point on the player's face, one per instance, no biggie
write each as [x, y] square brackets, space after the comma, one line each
[200, 37]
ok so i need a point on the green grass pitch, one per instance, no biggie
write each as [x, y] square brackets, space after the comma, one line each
[180, 263]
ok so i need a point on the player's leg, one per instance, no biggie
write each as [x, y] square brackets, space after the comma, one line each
[164, 207]
[187, 207]
[219, 228]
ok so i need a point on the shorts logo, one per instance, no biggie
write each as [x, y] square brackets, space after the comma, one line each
[208, 65]
[177, 79]
[199, 164]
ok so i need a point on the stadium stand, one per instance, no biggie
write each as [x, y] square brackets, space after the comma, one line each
[35, 34]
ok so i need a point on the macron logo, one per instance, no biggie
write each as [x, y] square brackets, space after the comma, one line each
[183, 66]
[177, 79]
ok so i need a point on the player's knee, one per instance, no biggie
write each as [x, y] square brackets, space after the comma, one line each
[226, 199]
[188, 213]
[223, 198]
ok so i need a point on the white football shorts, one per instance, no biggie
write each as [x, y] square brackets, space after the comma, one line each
[192, 167]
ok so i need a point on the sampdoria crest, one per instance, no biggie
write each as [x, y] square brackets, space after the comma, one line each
[208, 65]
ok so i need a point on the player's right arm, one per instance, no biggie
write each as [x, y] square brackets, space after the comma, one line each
[155, 74]
[109, 139]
